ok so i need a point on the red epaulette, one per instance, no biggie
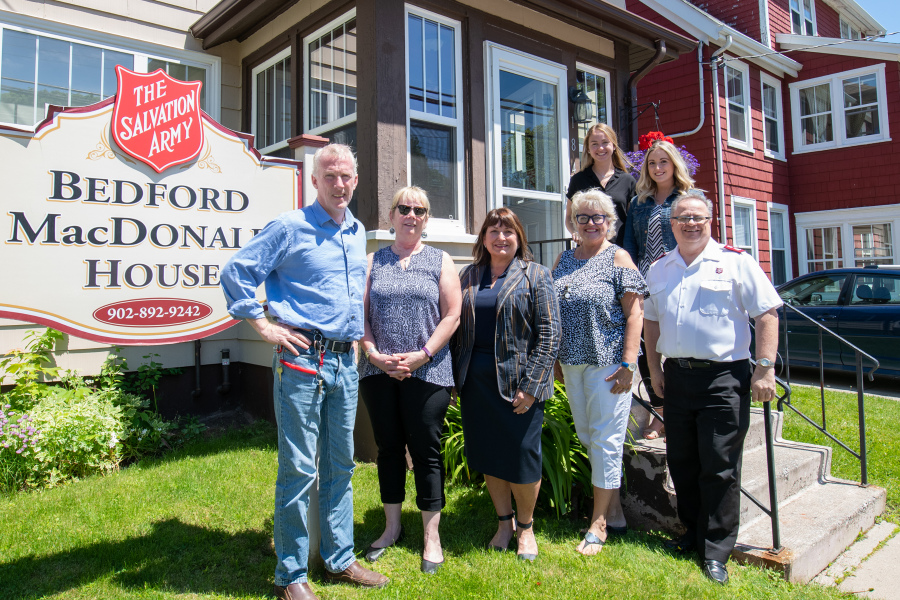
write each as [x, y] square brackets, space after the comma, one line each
[732, 248]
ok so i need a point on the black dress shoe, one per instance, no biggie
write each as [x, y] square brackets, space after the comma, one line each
[682, 545]
[373, 553]
[715, 571]
[430, 568]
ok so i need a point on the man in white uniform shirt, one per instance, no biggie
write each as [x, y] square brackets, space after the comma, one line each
[702, 295]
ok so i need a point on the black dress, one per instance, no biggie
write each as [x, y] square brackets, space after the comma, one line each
[498, 441]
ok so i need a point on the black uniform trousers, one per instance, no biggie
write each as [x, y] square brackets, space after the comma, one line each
[408, 414]
[707, 418]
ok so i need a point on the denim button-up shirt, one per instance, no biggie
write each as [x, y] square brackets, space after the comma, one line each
[314, 272]
[636, 227]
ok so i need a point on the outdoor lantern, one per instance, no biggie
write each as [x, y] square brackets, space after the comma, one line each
[583, 112]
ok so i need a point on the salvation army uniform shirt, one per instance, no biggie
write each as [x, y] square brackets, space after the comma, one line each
[703, 309]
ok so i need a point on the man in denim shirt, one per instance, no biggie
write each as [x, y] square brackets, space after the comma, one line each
[313, 264]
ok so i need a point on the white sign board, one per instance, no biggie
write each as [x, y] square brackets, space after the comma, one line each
[103, 247]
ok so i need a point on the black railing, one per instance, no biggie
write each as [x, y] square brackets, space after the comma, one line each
[546, 251]
[860, 395]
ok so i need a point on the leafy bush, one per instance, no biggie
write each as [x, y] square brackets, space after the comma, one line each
[53, 433]
[565, 463]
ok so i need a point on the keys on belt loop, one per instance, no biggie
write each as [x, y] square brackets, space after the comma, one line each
[319, 346]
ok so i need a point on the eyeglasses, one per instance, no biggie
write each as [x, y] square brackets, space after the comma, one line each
[691, 219]
[595, 219]
[418, 210]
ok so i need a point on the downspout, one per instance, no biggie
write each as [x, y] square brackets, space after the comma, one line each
[633, 80]
[702, 99]
[715, 58]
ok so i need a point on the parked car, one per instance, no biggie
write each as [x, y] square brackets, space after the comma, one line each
[862, 305]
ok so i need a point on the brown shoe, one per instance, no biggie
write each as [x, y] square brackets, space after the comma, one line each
[356, 574]
[295, 591]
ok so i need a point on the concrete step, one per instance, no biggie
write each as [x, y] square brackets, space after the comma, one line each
[816, 526]
[797, 466]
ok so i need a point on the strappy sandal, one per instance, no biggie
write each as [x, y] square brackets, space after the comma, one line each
[592, 540]
[500, 548]
[525, 555]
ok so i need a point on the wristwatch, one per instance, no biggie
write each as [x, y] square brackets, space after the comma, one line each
[630, 366]
[765, 363]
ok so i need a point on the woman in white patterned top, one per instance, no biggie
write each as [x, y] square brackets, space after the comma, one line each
[412, 303]
[601, 299]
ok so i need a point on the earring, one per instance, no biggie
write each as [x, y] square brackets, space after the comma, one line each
[391, 231]
[424, 234]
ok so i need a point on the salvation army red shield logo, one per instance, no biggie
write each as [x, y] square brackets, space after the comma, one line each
[156, 119]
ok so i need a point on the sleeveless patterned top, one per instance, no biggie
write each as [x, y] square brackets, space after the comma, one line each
[404, 310]
[590, 291]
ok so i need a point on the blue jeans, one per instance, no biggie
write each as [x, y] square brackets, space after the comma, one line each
[310, 419]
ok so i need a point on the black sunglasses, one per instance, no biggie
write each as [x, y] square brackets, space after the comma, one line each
[418, 210]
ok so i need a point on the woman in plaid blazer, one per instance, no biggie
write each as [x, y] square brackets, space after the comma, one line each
[504, 351]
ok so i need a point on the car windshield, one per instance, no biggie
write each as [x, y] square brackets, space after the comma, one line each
[821, 290]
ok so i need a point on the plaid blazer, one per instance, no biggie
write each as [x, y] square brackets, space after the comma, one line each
[527, 334]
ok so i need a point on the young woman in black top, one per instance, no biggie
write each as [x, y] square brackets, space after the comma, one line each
[603, 166]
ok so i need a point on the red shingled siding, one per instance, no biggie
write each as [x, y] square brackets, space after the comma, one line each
[749, 175]
[779, 17]
[828, 23]
[743, 16]
[852, 176]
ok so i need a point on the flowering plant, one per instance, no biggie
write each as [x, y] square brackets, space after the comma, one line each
[637, 157]
[646, 140]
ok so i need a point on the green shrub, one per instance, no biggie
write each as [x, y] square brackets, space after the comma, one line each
[566, 466]
[80, 435]
[53, 433]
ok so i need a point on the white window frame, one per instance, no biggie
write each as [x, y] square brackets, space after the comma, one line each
[739, 201]
[812, 5]
[435, 225]
[846, 219]
[140, 50]
[254, 107]
[768, 80]
[852, 28]
[838, 111]
[580, 128]
[744, 70]
[527, 65]
[318, 33]
[774, 207]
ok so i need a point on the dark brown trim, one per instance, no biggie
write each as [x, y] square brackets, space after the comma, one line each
[236, 20]
[304, 140]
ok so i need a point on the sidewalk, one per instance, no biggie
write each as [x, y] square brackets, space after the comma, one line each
[870, 568]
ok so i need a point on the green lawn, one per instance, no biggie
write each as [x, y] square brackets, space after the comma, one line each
[198, 524]
[882, 437]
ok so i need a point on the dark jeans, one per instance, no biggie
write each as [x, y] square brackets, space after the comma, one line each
[707, 418]
[408, 413]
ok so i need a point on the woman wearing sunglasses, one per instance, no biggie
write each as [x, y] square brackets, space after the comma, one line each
[412, 303]
[601, 300]
[648, 235]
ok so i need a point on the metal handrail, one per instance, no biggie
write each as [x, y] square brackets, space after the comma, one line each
[539, 255]
[860, 395]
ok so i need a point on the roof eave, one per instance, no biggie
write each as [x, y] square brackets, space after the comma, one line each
[839, 47]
